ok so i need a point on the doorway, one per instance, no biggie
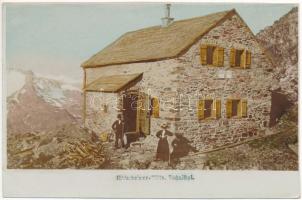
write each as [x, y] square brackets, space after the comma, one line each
[130, 112]
[143, 114]
[136, 112]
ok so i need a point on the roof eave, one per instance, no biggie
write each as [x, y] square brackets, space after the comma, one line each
[127, 84]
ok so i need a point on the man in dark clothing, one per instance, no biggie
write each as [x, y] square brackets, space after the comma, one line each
[118, 127]
[163, 152]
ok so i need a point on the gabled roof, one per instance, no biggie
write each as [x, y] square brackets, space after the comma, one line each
[114, 83]
[157, 43]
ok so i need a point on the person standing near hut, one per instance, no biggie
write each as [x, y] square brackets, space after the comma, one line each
[163, 152]
[118, 128]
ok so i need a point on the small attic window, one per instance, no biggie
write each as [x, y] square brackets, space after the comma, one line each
[240, 58]
[211, 55]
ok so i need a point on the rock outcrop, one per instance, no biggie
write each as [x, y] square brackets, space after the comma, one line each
[67, 146]
[281, 41]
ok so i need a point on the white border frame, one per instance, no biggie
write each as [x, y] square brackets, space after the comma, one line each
[103, 183]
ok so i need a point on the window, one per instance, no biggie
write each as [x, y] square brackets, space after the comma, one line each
[209, 109]
[212, 55]
[236, 108]
[240, 58]
[155, 107]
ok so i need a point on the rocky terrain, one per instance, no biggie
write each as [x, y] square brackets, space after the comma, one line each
[270, 153]
[281, 42]
[43, 125]
[67, 146]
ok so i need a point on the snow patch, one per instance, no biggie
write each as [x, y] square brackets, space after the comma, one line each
[70, 87]
[50, 91]
[60, 78]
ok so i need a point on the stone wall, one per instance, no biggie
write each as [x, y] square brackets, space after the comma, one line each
[159, 80]
[204, 82]
[102, 110]
[180, 82]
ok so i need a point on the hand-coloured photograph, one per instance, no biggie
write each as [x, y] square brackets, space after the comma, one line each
[177, 86]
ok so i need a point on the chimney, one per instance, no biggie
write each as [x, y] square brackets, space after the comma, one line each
[167, 20]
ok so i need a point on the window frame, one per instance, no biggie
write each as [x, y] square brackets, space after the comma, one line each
[217, 55]
[237, 103]
[240, 110]
[240, 52]
[214, 113]
[211, 108]
[212, 55]
[247, 58]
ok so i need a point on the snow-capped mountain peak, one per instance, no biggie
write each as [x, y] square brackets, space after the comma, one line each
[38, 103]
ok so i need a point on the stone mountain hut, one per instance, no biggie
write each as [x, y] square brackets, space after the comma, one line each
[207, 77]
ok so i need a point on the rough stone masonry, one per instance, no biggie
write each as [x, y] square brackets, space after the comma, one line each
[181, 82]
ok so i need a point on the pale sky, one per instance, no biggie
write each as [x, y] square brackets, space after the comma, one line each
[55, 39]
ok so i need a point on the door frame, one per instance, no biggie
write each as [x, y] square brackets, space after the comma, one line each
[147, 99]
[131, 94]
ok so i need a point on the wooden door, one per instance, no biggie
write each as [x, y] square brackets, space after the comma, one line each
[143, 114]
[130, 112]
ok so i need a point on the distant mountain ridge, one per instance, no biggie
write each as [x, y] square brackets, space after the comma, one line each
[40, 104]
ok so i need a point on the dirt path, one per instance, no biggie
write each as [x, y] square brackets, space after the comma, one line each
[142, 156]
